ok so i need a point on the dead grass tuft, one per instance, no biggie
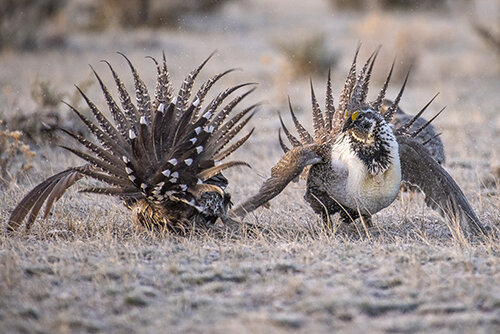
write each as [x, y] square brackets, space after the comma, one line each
[39, 126]
[16, 158]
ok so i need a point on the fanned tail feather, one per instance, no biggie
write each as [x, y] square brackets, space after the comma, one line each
[318, 121]
[346, 93]
[161, 151]
[305, 136]
[394, 106]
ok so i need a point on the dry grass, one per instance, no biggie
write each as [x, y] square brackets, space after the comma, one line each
[16, 158]
[39, 125]
[114, 279]
[88, 269]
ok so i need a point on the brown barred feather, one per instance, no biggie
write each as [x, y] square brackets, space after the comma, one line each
[142, 95]
[227, 136]
[346, 93]
[394, 106]
[330, 114]
[96, 162]
[221, 155]
[366, 79]
[119, 118]
[163, 88]
[318, 122]
[113, 191]
[158, 155]
[129, 108]
[97, 150]
[210, 172]
[305, 137]
[200, 96]
[291, 138]
[222, 115]
[106, 141]
[186, 87]
[381, 95]
[282, 144]
[358, 91]
[28, 204]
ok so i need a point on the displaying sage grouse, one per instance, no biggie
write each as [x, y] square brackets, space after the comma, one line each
[358, 160]
[159, 155]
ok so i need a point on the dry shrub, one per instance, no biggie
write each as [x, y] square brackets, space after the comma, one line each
[16, 158]
[307, 54]
[352, 4]
[44, 94]
[40, 125]
[101, 14]
[410, 5]
[31, 24]
[490, 181]
[485, 22]
[413, 4]
[24, 23]
[489, 34]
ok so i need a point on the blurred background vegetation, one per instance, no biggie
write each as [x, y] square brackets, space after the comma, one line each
[30, 24]
[286, 55]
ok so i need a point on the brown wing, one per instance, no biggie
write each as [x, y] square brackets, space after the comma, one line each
[48, 191]
[288, 168]
[441, 191]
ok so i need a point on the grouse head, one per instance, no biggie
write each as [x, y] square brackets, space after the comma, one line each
[371, 138]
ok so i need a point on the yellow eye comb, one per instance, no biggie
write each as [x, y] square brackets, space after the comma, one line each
[355, 115]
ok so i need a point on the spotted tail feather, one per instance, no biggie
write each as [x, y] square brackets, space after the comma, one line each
[164, 151]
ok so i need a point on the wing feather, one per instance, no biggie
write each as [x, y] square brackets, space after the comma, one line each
[49, 190]
[287, 169]
[441, 191]
[210, 172]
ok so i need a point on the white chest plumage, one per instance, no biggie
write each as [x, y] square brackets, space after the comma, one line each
[360, 189]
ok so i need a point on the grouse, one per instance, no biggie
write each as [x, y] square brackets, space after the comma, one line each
[356, 160]
[160, 155]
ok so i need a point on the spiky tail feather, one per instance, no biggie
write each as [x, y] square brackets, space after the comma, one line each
[160, 155]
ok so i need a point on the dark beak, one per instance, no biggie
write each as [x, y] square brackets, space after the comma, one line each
[347, 124]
